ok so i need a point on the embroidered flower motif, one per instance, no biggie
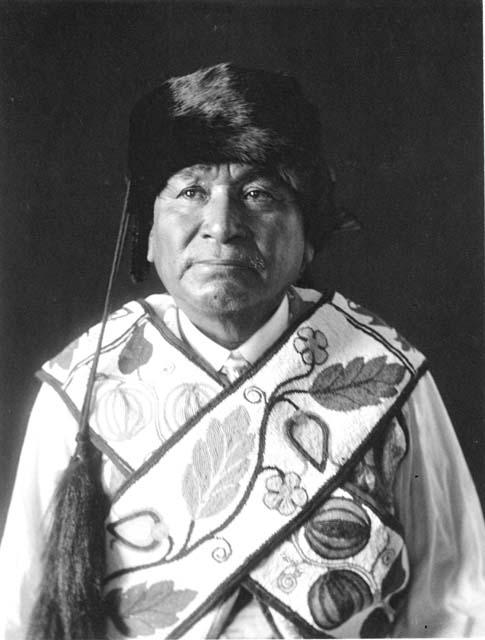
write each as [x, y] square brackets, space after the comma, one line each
[311, 345]
[285, 494]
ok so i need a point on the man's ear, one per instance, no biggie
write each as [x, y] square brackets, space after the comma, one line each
[308, 253]
[150, 251]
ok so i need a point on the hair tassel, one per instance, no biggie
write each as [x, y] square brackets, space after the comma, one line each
[70, 605]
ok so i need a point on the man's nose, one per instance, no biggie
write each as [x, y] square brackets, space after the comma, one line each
[223, 219]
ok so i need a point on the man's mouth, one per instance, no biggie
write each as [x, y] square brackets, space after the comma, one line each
[247, 262]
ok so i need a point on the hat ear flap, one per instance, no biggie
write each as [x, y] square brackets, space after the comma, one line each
[140, 208]
[139, 248]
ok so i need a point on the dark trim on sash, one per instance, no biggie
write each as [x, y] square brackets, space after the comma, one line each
[307, 630]
[365, 328]
[361, 326]
[405, 427]
[269, 618]
[179, 344]
[178, 435]
[300, 518]
[99, 442]
[269, 599]
[195, 358]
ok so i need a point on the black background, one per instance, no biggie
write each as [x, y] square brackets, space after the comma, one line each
[400, 89]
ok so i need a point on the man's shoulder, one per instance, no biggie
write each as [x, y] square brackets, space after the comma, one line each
[353, 312]
[118, 330]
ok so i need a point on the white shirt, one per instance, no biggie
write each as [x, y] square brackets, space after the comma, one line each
[435, 498]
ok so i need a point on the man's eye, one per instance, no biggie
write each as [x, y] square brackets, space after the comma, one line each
[258, 195]
[193, 193]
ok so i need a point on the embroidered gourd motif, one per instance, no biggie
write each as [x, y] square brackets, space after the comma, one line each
[122, 408]
[181, 404]
[339, 529]
[336, 596]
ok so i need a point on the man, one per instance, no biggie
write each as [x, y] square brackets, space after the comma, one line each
[278, 463]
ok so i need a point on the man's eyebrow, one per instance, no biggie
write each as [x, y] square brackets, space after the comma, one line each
[263, 173]
[193, 172]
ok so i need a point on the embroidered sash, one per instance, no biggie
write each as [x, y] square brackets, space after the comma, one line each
[237, 486]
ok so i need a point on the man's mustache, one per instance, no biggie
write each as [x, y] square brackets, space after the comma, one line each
[249, 259]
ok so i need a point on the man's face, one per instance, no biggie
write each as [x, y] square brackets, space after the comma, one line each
[227, 238]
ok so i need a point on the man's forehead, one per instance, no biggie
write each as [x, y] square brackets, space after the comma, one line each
[230, 170]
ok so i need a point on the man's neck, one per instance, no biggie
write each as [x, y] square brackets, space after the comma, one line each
[252, 349]
[232, 329]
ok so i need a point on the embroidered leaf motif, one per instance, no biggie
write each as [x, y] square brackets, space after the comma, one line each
[309, 434]
[358, 384]
[219, 462]
[64, 359]
[140, 611]
[190, 490]
[135, 353]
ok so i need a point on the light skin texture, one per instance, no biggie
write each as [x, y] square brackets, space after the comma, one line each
[227, 241]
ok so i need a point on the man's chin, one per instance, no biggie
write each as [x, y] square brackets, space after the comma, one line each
[222, 298]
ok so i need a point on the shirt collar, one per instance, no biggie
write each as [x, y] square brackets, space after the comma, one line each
[251, 350]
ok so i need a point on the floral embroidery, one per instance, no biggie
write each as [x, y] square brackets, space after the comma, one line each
[311, 345]
[285, 494]
[143, 608]
[219, 465]
[375, 473]
[64, 359]
[143, 530]
[309, 434]
[357, 384]
[136, 352]
[365, 474]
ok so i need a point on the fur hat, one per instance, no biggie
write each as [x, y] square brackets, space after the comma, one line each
[220, 114]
